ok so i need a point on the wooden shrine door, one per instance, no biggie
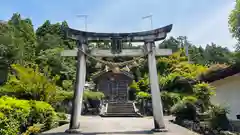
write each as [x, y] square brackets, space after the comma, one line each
[118, 91]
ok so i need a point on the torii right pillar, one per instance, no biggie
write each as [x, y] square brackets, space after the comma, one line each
[159, 125]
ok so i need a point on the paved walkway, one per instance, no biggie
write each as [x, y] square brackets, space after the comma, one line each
[120, 126]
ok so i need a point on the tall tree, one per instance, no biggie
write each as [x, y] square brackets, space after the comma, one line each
[24, 37]
[170, 43]
[234, 20]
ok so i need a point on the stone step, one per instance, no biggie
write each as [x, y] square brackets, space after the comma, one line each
[121, 106]
[123, 109]
[121, 115]
[116, 107]
[120, 110]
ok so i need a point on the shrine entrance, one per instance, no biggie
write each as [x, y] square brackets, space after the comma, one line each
[118, 91]
[112, 46]
[113, 85]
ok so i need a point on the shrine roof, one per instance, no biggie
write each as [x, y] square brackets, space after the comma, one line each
[221, 74]
[101, 73]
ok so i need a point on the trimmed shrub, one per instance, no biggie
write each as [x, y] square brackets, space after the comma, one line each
[190, 99]
[203, 92]
[94, 95]
[43, 113]
[169, 99]
[8, 125]
[61, 116]
[62, 101]
[33, 130]
[143, 95]
[67, 85]
[17, 115]
[184, 110]
[175, 82]
[219, 118]
[143, 84]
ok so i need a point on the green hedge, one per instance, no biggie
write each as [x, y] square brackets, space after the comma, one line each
[17, 115]
[185, 110]
[63, 98]
[169, 99]
[58, 100]
[95, 95]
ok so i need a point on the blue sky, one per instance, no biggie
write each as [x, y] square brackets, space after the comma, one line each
[202, 21]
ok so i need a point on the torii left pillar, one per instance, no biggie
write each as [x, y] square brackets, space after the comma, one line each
[79, 88]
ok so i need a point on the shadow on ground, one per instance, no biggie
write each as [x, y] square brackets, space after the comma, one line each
[144, 132]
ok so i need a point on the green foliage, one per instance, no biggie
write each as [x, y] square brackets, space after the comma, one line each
[17, 115]
[10, 46]
[43, 112]
[173, 82]
[19, 44]
[67, 85]
[204, 91]
[211, 54]
[179, 73]
[134, 86]
[24, 37]
[143, 84]
[170, 43]
[32, 130]
[62, 95]
[59, 65]
[169, 99]
[184, 110]
[9, 126]
[188, 70]
[217, 54]
[14, 113]
[233, 20]
[143, 95]
[190, 99]
[61, 116]
[30, 83]
[177, 81]
[93, 95]
[219, 119]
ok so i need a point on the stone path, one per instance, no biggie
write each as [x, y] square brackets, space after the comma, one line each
[120, 126]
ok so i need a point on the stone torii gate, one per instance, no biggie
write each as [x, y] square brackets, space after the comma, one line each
[83, 38]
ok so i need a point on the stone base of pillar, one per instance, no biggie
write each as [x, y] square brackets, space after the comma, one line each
[73, 131]
[159, 130]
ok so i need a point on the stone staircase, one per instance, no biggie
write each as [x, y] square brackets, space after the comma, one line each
[126, 109]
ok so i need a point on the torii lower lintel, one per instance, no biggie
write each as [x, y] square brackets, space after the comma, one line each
[125, 52]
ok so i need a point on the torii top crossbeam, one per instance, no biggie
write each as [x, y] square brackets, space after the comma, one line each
[154, 35]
